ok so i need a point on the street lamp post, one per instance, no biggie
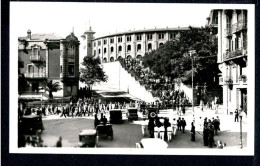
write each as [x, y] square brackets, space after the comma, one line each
[191, 55]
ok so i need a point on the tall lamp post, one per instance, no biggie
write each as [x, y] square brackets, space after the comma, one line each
[191, 52]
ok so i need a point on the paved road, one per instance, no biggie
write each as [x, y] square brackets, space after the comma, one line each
[128, 133]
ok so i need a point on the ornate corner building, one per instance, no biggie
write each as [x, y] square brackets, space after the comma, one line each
[232, 55]
[48, 56]
[130, 44]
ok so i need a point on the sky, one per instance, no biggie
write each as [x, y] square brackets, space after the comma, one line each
[105, 18]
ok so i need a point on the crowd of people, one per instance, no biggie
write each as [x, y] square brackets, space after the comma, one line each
[160, 86]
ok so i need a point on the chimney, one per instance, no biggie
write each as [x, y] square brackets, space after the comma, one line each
[29, 34]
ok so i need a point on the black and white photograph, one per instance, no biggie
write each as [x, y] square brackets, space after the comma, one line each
[132, 78]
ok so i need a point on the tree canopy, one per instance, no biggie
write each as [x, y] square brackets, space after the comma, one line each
[51, 87]
[172, 59]
[92, 71]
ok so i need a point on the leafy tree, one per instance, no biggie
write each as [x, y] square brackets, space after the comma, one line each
[51, 87]
[173, 61]
[92, 71]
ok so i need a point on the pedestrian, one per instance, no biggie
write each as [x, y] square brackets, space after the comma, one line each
[236, 116]
[59, 143]
[211, 136]
[205, 135]
[151, 126]
[144, 127]
[63, 112]
[179, 124]
[174, 127]
[216, 126]
[96, 121]
[183, 124]
[168, 129]
[192, 132]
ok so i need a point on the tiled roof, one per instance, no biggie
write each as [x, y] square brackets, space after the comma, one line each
[43, 36]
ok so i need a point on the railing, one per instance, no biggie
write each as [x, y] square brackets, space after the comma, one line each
[228, 31]
[36, 58]
[243, 78]
[35, 75]
[236, 53]
[220, 80]
[240, 25]
[229, 80]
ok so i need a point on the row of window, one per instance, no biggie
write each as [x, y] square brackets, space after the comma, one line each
[138, 38]
[139, 47]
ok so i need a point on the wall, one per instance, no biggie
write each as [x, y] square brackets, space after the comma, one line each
[54, 63]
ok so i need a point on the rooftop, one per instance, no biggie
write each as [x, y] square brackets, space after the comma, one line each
[144, 31]
[42, 36]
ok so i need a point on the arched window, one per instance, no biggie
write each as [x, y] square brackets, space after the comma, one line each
[119, 58]
[98, 51]
[129, 57]
[129, 48]
[112, 59]
[119, 48]
[160, 44]
[139, 57]
[112, 49]
[105, 50]
[139, 47]
[149, 46]
[105, 60]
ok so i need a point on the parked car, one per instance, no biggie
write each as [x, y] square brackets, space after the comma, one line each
[115, 116]
[132, 114]
[104, 130]
[88, 138]
[30, 124]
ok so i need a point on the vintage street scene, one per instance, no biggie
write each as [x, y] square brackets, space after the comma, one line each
[152, 86]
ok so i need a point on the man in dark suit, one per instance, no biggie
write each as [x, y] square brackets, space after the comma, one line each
[183, 124]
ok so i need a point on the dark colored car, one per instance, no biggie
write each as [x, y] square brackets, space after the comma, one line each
[132, 114]
[30, 124]
[115, 116]
[88, 138]
[104, 130]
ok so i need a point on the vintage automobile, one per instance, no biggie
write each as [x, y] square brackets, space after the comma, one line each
[152, 143]
[104, 130]
[30, 124]
[132, 114]
[88, 138]
[115, 116]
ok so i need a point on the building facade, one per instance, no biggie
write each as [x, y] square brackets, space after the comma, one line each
[130, 44]
[48, 56]
[232, 56]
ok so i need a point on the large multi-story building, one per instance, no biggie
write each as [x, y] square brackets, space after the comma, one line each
[48, 56]
[130, 44]
[232, 55]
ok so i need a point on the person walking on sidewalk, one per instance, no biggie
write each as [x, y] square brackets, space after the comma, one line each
[183, 124]
[205, 135]
[174, 127]
[179, 124]
[236, 116]
[211, 136]
[192, 131]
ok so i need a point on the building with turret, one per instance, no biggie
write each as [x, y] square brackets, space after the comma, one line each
[48, 56]
[130, 44]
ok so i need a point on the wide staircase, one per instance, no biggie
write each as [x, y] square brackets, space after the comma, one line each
[120, 80]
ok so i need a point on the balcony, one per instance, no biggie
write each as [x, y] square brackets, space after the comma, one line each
[243, 79]
[240, 25]
[35, 75]
[234, 54]
[221, 81]
[229, 80]
[36, 58]
[228, 31]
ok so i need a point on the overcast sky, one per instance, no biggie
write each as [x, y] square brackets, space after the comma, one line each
[104, 18]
